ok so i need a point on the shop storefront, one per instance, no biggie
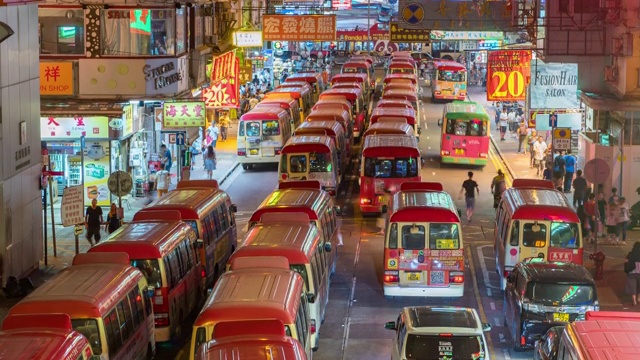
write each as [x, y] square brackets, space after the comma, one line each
[358, 39]
[452, 45]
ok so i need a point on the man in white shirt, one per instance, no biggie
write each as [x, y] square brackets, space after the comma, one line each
[253, 102]
[511, 115]
[539, 154]
[213, 133]
[503, 123]
[162, 181]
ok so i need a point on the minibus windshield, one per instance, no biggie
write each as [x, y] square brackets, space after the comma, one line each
[474, 127]
[391, 168]
[151, 271]
[320, 162]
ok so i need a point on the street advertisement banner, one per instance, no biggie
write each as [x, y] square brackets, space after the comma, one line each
[247, 39]
[222, 66]
[96, 172]
[508, 73]
[183, 114]
[223, 93]
[341, 4]
[299, 27]
[402, 35]
[554, 86]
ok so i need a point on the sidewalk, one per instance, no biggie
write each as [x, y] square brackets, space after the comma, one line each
[611, 289]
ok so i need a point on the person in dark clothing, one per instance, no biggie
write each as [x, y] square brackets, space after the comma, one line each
[579, 189]
[113, 221]
[92, 221]
[470, 187]
[632, 269]
[602, 206]
[558, 170]
[570, 167]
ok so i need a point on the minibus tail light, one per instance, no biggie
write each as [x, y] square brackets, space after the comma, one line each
[313, 326]
[391, 277]
[242, 152]
[161, 319]
[456, 277]
[203, 274]
[444, 152]
[365, 201]
[483, 155]
[523, 341]
[278, 150]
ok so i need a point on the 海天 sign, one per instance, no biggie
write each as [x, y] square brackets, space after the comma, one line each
[183, 114]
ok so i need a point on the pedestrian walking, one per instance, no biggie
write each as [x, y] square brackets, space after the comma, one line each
[531, 139]
[547, 174]
[210, 161]
[162, 181]
[212, 134]
[623, 219]
[632, 269]
[570, 167]
[503, 123]
[602, 209]
[591, 209]
[113, 220]
[92, 221]
[613, 214]
[470, 188]
[498, 186]
[559, 170]
[539, 151]
[224, 124]
[166, 157]
[614, 196]
[579, 189]
[522, 136]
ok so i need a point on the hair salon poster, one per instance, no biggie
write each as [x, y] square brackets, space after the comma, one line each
[96, 172]
[554, 86]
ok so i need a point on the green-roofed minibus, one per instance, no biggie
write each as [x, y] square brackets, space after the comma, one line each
[465, 134]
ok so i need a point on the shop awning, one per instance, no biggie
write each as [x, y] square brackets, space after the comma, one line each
[71, 109]
[605, 102]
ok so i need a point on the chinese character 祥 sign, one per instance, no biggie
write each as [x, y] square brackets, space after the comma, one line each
[299, 27]
[508, 73]
[223, 66]
[223, 93]
[247, 39]
[56, 78]
[246, 74]
[183, 114]
[96, 127]
[399, 34]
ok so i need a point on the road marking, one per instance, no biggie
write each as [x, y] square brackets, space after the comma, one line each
[489, 292]
[496, 321]
[507, 356]
[230, 180]
[483, 266]
[492, 305]
[347, 324]
[476, 290]
[502, 339]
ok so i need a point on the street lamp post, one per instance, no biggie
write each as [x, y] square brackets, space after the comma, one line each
[368, 24]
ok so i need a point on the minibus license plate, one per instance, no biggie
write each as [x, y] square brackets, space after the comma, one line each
[253, 151]
[459, 151]
[413, 276]
[559, 317]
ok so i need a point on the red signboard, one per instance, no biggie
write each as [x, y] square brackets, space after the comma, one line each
[341, 4]
[299, 27]
[223, 66]
[508, 73]
[223, 93]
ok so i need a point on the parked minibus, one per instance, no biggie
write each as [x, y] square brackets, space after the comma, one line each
[261, 134]
[398, 103]
[335, 102]
[387, 162]
[301, 92]
[254, 293]
[289, 104]
[42, 337]
[360, 67]
[603, 335]
[254, 340]
[404, 94]
[533, 220]
[107, 300]
[358, 108]
[335, 131]
[164, 250]
[360, 58]
[304, 197]
[465, 128]
[334, 113]
[362, 79]
[397, 66]
[449, 81]
[300, 242]
[313, 157]
[423, 248]
[313, 79]
[389, 128]
[209, 211]
[400, 77]
[396, 114]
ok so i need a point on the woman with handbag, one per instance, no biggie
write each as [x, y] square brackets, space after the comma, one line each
[113, 221]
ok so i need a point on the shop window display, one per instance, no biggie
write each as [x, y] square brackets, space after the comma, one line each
[139, 32]
[61, 31]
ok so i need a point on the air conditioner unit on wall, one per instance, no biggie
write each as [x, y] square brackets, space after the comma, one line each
[611, 74]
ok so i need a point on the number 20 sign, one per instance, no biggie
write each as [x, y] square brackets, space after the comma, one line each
[508, 74]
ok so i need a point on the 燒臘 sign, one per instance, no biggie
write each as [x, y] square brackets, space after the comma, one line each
[183, 114]
[299, 27]
[508, 73]
[56, 78]
[247, 38]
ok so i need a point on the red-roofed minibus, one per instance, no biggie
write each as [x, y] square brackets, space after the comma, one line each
[533, 220]
[396, 114]
[334, 130]
[300, 92]
[209, 211]
[405, 94]
[388, 128]
[423, 248]
[361, 57]
[362, 79]
[290, 104]
[401, 78]
[42, 337]
[387, 162]
[254, 340]
[603, 335]
[449, 81]
[107, 300]
[306, 253]
[311, 157]
[391, 103]
[313, 79]
[399, 85]
[399, 66]
[333, 103]
[261, 134]
[358, 109]
[360, 67]
[254, 293]
[334, 113]
[164, 249]
[304, 197]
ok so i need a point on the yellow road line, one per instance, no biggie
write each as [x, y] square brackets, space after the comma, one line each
[476, 290]
[497, 162]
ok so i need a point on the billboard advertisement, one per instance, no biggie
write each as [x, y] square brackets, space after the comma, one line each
[508, 73]
[554, 86]
[299, 28]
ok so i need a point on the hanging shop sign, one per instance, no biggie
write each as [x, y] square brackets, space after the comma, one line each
[466, 35]
[56, 78]
[183, 114]
[508, 73]
[400, 34]
[341, 4]
[247, 38]
[245, 74]
[96, 172]
[545, 120]
[166, 76]
[223, 93]
[96, 127]
[362, 35]
[299, 27]
[223, 66]
[127, 118]
[554, 86]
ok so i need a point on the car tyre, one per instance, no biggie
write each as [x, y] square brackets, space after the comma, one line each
[245, 166]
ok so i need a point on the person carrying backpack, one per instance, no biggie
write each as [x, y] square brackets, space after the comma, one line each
[498, 186]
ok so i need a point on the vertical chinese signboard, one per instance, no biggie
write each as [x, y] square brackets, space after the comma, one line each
[223, 91]
[508, 73]
[299, 27]
[183, 114]
[245, 74]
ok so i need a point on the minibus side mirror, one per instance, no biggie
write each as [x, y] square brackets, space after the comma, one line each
[150, 291]
[486, 327]
[199, 244]
[439, 122]
[233, 208]
[384, 209]
[311, 298]
[327, 247]
[390, 325]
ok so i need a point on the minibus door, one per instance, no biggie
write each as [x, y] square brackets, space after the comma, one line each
[297, 166]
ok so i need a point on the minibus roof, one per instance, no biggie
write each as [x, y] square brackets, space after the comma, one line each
[385, 103]
[327, 127]
[265, 113]
[251, 294]
[252, 347]
[393, 111]
[356, 64]
[293, 83]
[390, 146]
[381, 128]
[145, 239]
[308, 143]
[348, 93]
[43, 344]
[81, 291]
[349, 77]
[308, 201]
[331, 102]
[306, 77]
[423, 206]
[607, 339]
[197, 184]
[296, 242]
[189, 202]
[328, 114]
[406, 94]
[538, 204]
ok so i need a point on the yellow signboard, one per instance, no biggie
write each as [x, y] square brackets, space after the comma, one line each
[184, 114]
[56, 78]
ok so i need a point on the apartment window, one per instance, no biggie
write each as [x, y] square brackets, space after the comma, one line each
[138, 32]
[61, 31]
